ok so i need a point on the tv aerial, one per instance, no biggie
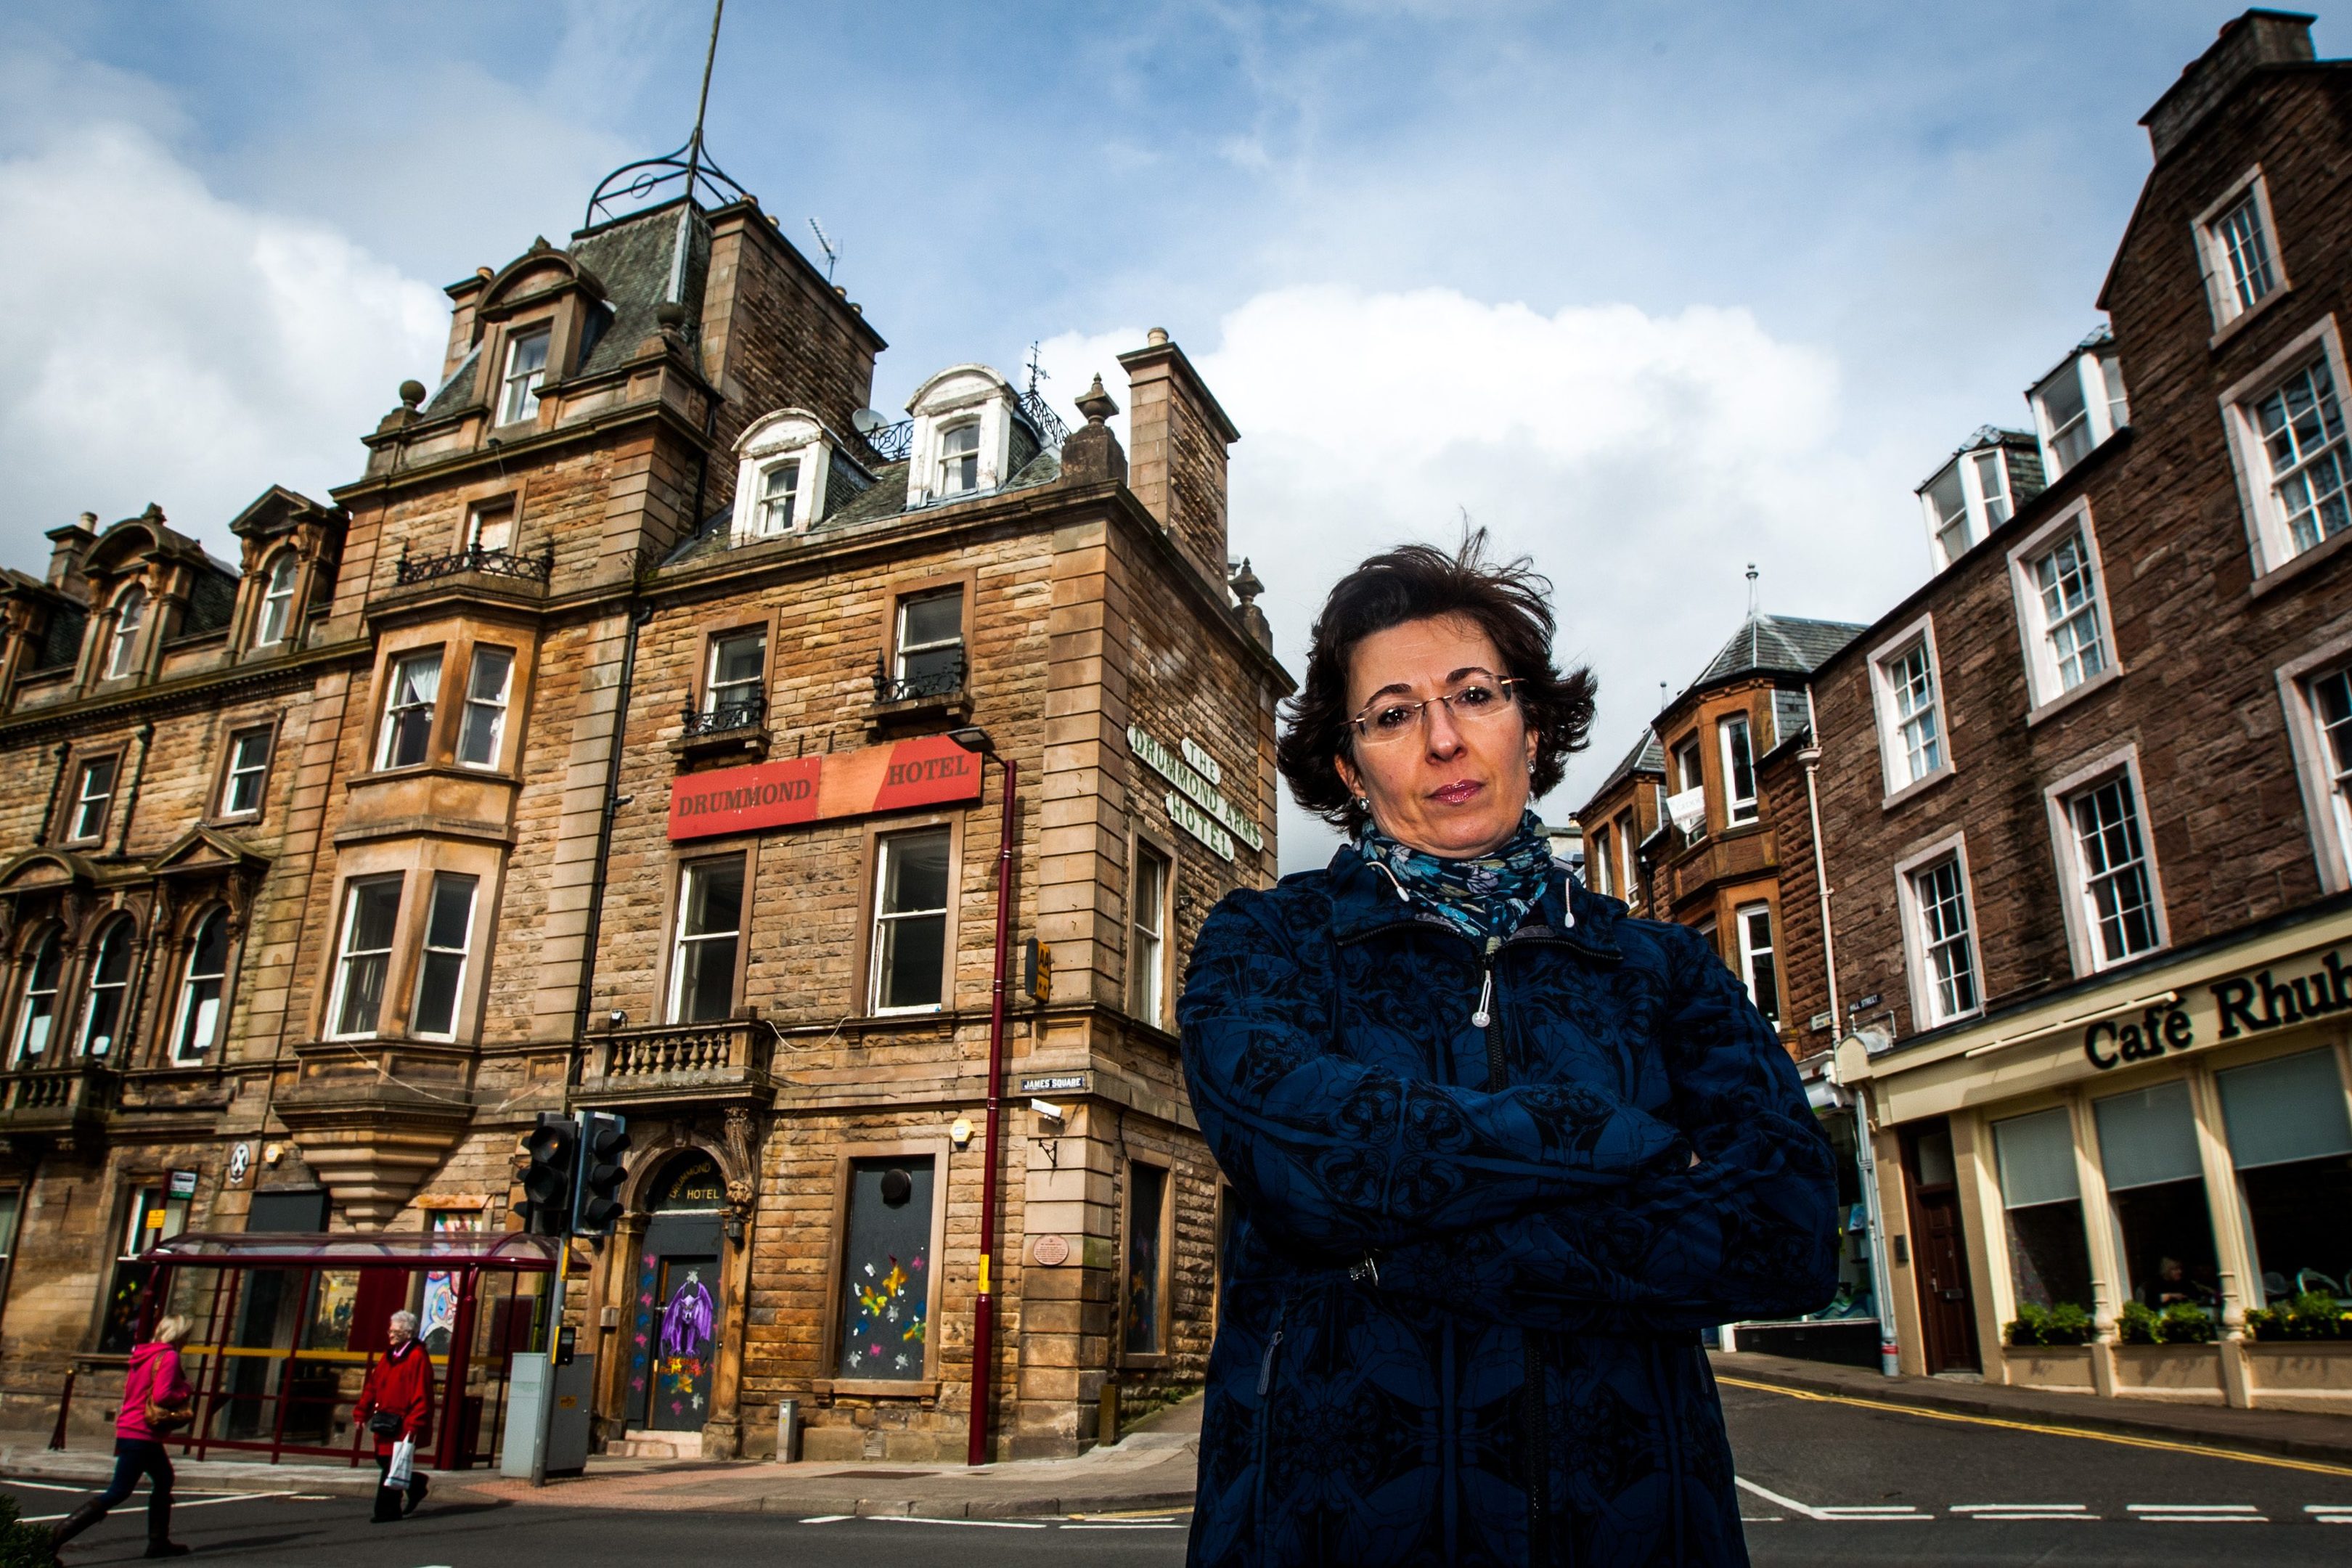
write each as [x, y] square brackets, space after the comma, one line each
[824, 242]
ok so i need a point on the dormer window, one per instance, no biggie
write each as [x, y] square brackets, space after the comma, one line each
[959, 459]
[526, 369]
[780, 491]
[130, 613]
[276, 601]
[2080, 405]
[1976, 491]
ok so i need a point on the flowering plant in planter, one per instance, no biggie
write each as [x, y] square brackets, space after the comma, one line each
[2181, 1323]
[2064, 1324]
[2313, 1315]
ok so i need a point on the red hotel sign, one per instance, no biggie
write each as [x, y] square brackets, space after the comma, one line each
[922, 771]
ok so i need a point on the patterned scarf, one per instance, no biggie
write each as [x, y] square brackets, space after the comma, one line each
[1485, 897]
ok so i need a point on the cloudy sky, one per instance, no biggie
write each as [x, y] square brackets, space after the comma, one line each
[1650, 290]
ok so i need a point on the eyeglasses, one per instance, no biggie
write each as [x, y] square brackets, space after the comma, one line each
[1474, 704]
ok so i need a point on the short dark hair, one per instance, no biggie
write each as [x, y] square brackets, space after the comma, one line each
[1509, 602]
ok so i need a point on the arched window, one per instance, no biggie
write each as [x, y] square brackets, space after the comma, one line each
[110, 987]
[198, 1025]
[130, 611]
[276, 601]
[36, 1011]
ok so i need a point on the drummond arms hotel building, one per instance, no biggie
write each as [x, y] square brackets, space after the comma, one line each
[634, 733]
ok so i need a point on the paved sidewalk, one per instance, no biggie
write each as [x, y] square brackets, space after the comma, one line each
[1151, 1469]
[2327, 1438]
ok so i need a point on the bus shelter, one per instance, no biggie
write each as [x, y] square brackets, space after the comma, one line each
[288, 1324]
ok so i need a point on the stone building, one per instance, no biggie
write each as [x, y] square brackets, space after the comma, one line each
[592, 748]
[2081, 812]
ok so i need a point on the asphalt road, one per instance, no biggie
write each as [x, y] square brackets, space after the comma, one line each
[1823, 1481]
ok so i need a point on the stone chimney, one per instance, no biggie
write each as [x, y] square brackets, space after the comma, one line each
[2248, 44]
[1177, 438]
[69, 547]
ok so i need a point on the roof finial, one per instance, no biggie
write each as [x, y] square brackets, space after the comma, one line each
[1752, 590]
[702, 104]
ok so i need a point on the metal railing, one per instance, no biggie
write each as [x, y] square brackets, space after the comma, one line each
[891, 442]
[1051, 431]
[409, 570]
[723, 717]
[947, 681]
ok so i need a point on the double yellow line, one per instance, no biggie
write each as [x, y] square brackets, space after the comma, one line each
[2311, 1467]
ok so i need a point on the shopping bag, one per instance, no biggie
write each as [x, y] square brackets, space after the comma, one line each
[404, 1463]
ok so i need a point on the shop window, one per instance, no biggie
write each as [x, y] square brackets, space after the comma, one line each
[2155, 1192]
[371, 910]
[122, 648]
[910, 921]
[485, 724]
[37, 1010]
[407, 734]
[1856, 1295]
[1738, 772]
[109, 988]
[526, 370]
[2041, 1199]
[886, 1275]
[277, 600]
[2291, 1142]
[1755, 925]
[1147, 1275]
[93, 798]
[195, 1027]
[441, 972]
[1147, 954]
[732, 689]
[155, 1216]
[248, 769]
[709, 935]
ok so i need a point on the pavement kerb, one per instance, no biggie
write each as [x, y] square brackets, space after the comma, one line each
[95, 1470]
[1906, 1395]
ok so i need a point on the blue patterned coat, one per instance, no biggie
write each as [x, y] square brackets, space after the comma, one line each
[1434, 1218]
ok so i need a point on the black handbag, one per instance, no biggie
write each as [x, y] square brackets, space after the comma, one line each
[386, 1423]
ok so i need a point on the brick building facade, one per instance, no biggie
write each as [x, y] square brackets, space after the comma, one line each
[2080, 809]
[592, 749]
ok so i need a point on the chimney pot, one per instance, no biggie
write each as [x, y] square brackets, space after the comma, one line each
[1156, 336]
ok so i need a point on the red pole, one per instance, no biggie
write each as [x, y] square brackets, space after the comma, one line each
[983, 1313]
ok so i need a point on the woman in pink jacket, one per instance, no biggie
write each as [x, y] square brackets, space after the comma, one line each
[154, 1379]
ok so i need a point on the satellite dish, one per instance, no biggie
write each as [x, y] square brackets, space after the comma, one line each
[866, 421]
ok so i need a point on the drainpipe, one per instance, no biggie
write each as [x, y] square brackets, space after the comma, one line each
[640, 612]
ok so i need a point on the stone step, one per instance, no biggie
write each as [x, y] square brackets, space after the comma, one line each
[656, 1446]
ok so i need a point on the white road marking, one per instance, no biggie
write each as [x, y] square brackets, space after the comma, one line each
[1122, 1527]
[1791, 1504]
[2197, 1513]
[1849, 1515]
[828, 1519]
[2012, 1507]
[176, 1503]
[974, 1523]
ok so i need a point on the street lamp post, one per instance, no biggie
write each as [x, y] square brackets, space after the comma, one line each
[983, 1316]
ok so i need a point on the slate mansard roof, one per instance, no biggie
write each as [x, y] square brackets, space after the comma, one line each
[1778, 645]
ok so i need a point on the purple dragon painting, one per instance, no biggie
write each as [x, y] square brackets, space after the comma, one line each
[687, 1322]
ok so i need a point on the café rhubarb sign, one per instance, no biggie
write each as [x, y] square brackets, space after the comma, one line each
[929, 771]
[1195, 804]
[2299, 990]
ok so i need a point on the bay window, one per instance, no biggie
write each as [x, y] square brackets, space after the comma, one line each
[364, 960]
[1738, 770]
[406, 737]
[1756, 969]
[483, 725]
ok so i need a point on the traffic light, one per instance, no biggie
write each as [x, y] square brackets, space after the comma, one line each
[603, 1139]
[550, 1157]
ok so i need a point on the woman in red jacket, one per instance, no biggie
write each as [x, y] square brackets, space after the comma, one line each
[396, 1403]
[154, 1380]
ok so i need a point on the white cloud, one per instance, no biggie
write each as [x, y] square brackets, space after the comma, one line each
[1642, 459]
[169, 346]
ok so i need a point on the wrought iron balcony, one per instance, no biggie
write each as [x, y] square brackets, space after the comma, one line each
[939, 684]
[892, 442]
[723, 718]
[679, 1063]
[409, 570]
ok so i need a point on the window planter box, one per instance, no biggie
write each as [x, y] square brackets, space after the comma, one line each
[2049, 1367]
[2301, 1365]
[2169, 1371]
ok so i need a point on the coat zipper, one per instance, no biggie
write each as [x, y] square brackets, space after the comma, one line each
[1535, 1433]
[1266, 1413]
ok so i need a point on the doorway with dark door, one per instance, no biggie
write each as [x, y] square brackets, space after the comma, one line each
[1939, 1262]
[678, 1301]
